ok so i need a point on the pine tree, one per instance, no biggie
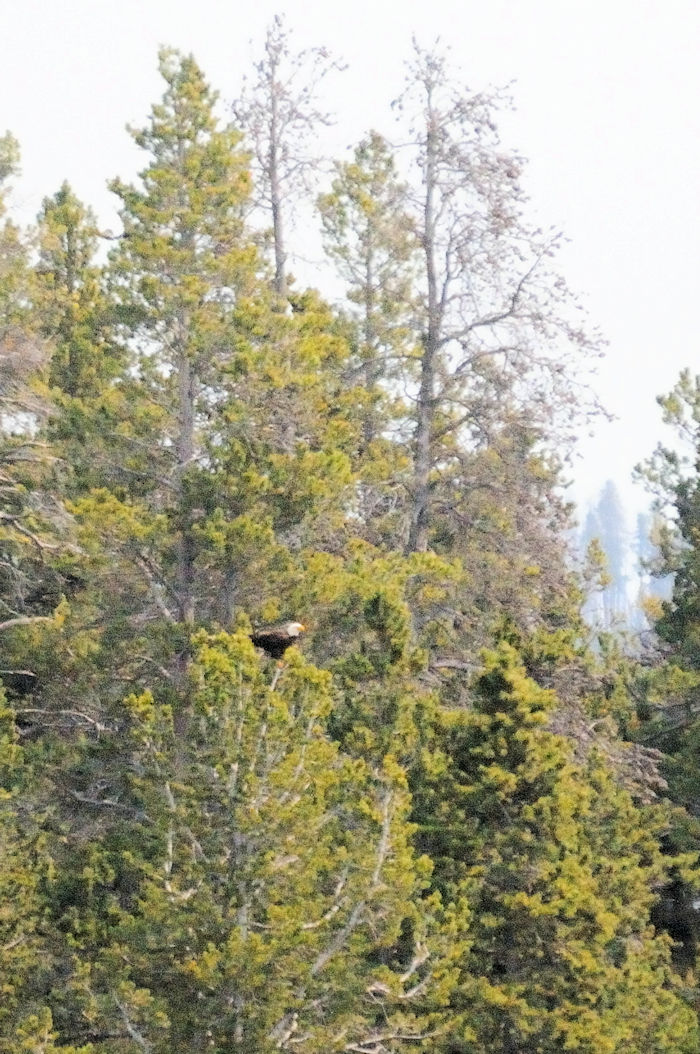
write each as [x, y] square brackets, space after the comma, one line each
[13, 251]
[364, 852]
[181, 268]
[668, 692]
[239, 425]
[672, 475]
[261, 890]
[70, 300]
[368, 235]
[613, 539]
[35, 535]
[666, 685]
[556, 867]
[26, 1022]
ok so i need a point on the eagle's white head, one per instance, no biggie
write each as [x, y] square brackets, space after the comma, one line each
[295, 628]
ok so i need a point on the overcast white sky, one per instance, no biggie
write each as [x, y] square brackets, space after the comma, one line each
[606, 94]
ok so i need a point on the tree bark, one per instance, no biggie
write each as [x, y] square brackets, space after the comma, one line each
[185, 457]
[276, 196]
[425, 409]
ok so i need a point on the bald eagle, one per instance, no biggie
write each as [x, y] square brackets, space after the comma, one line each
[277, 639]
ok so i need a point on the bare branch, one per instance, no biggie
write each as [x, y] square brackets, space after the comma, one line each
[335, 907]
[377, 1044]
[339, 940]
[131, 1028]
[25, 620]
[358, 911]
[157, 586]
[453, 664]
[108, 803]
[77, 714]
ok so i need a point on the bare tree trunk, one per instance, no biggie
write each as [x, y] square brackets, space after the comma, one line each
[280, 254]
[276, 195]
[425, 409]
[228, 597]
[185, 456]
[369, 424]
[420, 496]
[278, 111]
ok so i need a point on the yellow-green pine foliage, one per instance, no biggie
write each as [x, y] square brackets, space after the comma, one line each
[70, 300]
[25, 1022]
[13, 251]
[673, 475]
[282, 480]
[557, 867]
[364, 854]
[181, 268]
[368, 235]
[237, 430]
[260, 886]
[667, 691]
[35, 534]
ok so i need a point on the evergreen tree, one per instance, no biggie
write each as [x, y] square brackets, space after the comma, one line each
[614, 542]
[667, 684]
[556, 866]
[672, 475]
[70, 300]
[242, 427]
[595, 572]
[13, 251]
[650, 526]
[365, 852]
[368, 235]
[25, 1021]
[35, 534]
[605, 527]
[260, 890]
[181, 268]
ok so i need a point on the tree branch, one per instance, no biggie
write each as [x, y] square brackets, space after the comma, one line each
[130, 1027]
[25, 620]
[64, 713]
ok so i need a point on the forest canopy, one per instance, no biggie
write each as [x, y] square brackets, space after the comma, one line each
[453, 818]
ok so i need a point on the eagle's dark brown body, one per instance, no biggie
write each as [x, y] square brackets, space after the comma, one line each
[276, 639]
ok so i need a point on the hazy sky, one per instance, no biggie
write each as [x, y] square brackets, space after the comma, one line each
[606, 96]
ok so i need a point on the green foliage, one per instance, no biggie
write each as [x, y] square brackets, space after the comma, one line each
[362, 849]
[556, 865]
[263, 882]
[666, 687]
[368, 235]
[35, 533]
[13, 251]
[25, 1022]
[70, 300]
[672, 475]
